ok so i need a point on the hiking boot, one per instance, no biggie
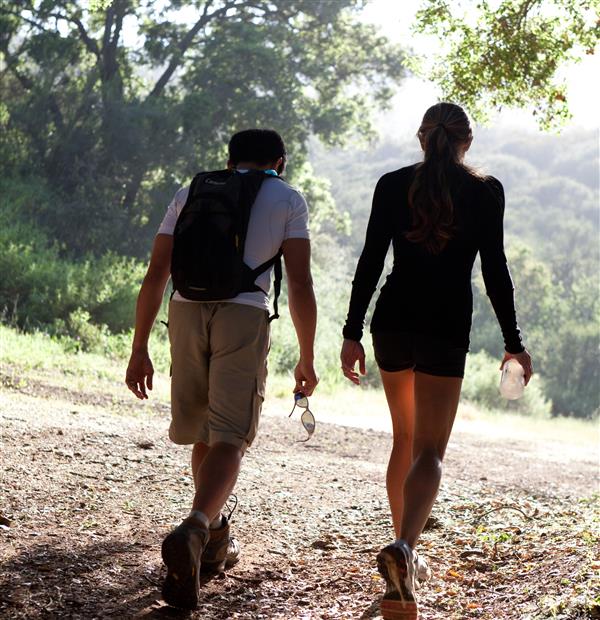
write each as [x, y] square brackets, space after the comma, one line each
[423, 572]
[397, 565]
[181, 552]
[222, 551]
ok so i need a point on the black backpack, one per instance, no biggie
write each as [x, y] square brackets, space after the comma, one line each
[207, 263]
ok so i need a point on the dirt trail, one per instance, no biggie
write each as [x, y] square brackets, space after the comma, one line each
[89, 488]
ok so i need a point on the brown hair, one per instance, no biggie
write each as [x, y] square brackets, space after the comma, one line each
[444, 133]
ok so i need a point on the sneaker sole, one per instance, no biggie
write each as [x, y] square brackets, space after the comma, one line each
[182, 582]
[391, 565]
[398, 610]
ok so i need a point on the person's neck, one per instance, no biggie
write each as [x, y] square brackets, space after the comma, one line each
[251, 166]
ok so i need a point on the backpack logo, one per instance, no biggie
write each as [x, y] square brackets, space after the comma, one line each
[211, 182]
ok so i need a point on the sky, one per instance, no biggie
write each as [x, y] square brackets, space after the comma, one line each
[395, 17]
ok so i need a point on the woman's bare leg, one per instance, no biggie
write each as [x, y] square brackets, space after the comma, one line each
[399, 391]
[436, 402]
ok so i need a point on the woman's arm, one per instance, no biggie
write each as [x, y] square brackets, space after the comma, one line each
[370, 264]
[496, 276]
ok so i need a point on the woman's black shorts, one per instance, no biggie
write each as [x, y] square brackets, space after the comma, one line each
[395, 351]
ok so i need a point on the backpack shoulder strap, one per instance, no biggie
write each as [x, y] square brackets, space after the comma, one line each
[276, 286]
[274, 262]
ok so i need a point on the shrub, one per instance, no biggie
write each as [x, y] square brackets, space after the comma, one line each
[38, 286]
[572, 369]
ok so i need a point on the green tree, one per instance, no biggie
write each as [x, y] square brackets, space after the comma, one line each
[539, 301]
[561, 327]
[509, 53]
[111, 107]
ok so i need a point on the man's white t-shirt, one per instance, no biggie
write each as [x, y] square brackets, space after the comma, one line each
[279, 213]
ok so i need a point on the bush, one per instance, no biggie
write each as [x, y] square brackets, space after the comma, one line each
[480, 386]
[39, 287]
[572, 369]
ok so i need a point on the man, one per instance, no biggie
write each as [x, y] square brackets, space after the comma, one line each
[219, 351]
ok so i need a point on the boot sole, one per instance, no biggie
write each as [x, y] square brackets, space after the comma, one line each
[182, 582]
[218, 567]
[400, 605]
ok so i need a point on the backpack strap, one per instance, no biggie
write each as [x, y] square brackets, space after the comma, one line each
[274, 262]
[276, 286]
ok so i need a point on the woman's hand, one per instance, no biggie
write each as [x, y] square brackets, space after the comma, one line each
[352, 352]
[524, 359]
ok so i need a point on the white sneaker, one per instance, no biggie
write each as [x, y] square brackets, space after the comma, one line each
[423, 570]
[397, 564]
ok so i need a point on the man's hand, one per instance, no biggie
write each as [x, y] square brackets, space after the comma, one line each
[524, 359]
[306, 377]
[353, 352]
[303, 309]
[139, 374]
[139, 371]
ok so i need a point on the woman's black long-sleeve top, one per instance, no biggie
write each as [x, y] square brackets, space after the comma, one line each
[431, 293]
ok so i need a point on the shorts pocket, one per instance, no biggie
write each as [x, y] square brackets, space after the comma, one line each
[258, 399]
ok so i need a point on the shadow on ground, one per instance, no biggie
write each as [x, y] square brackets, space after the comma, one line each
[75, 582]
[114, 579]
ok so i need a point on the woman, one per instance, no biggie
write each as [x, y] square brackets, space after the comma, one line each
[437, 214]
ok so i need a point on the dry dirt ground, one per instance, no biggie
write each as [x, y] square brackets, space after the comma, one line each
[89, 486]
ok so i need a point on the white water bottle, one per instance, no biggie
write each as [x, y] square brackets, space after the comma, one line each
[512, 381]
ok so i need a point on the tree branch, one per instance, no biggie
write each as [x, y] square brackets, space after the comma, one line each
[90, 43]
[108, 22]
[25, 19]
[187, 40]
[110, 39]
[28, 84]
[524, 12]
[25, 81]
[121, 9]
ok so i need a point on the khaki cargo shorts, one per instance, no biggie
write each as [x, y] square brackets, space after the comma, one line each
[219, 370]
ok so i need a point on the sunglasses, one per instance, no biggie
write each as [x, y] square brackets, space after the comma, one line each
[307, 418]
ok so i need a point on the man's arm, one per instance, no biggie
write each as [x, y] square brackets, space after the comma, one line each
[140, 371]
[303, 309]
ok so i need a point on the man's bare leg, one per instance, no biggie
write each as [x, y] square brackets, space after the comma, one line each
[215, 477]
[199, 452]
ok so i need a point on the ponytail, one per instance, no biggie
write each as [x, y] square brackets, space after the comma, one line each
[445, 130]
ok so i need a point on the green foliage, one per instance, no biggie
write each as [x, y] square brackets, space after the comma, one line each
[509, 53]
[561, 328]
[114, 124]
[572, 371]
[481, 386]
[41, 288]
[85, 335]
[317, 191]
[540, 304]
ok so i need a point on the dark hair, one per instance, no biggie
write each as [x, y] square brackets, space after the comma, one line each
[444, 133]
[258, 146]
